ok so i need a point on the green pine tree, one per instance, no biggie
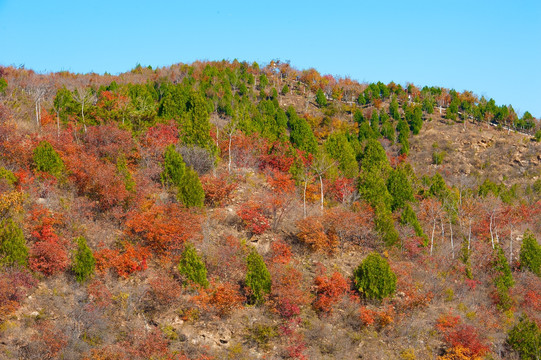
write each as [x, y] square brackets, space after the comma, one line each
[190, 191]
[410, 218]
[321, 100]
[374, 277]
[186, 181]
[258, 278]
[192, 267]
[122, 169]
[196, 123]
[7, 175]
[173, 167]
[525, 338]
[13, 250]
[46, 159]
[503, 279]
[384, 225]
[339, 149]
[399, 186]
[84, 262]
[300, 132]
[530, 253]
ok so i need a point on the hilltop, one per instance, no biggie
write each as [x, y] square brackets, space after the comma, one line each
[224, 210]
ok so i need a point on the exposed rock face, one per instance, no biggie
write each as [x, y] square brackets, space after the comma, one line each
[479, 153]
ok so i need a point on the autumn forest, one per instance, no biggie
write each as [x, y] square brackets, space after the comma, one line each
[228, 210]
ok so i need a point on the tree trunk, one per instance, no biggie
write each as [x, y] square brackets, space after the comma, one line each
[452, 243]
[321, 185]
[83, 115]
[432, 238]
[229, 152]
[491, 234]
[511, 247]
[58, 125]
[37, 115]
[304, 199]
[469, 236]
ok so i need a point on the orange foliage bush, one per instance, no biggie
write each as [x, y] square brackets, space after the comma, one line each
[160, 136]
[221, 298]
[459, 335]
[280, 252]
[329, 290]
[124, 263]
[277, 156]
[350, 225]
[15, 147]
[217, 189]
[313, 233]
[163, 228]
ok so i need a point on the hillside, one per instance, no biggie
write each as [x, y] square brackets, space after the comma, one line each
[223, 210]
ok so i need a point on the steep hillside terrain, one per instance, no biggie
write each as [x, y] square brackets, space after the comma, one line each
[223, 210]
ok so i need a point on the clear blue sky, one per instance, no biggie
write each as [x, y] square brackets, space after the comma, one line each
[490, 47]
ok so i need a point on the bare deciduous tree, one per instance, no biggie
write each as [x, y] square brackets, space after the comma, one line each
[85, 97]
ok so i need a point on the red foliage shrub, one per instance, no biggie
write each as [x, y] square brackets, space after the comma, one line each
[48, 253]
[148, 345]
[164, 288]
[46, 118]
[161, 136]
[280, 252]
[132, 259]
[374, 317]
[252, 214]
[98, 294]
[108, 142]
[456, 334]
[329, 290]
[49, 340]
[295, 343]
[217, 189]
[221, 298]
[245, 149]
[48, 257]
[163, 228]
[98, 180]
[278, 156]
[226, 259]
[349, 225]
[280, 182]
[14, 284]
[341, 189]
[367, 316]
[288, 294]
[15, 147]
